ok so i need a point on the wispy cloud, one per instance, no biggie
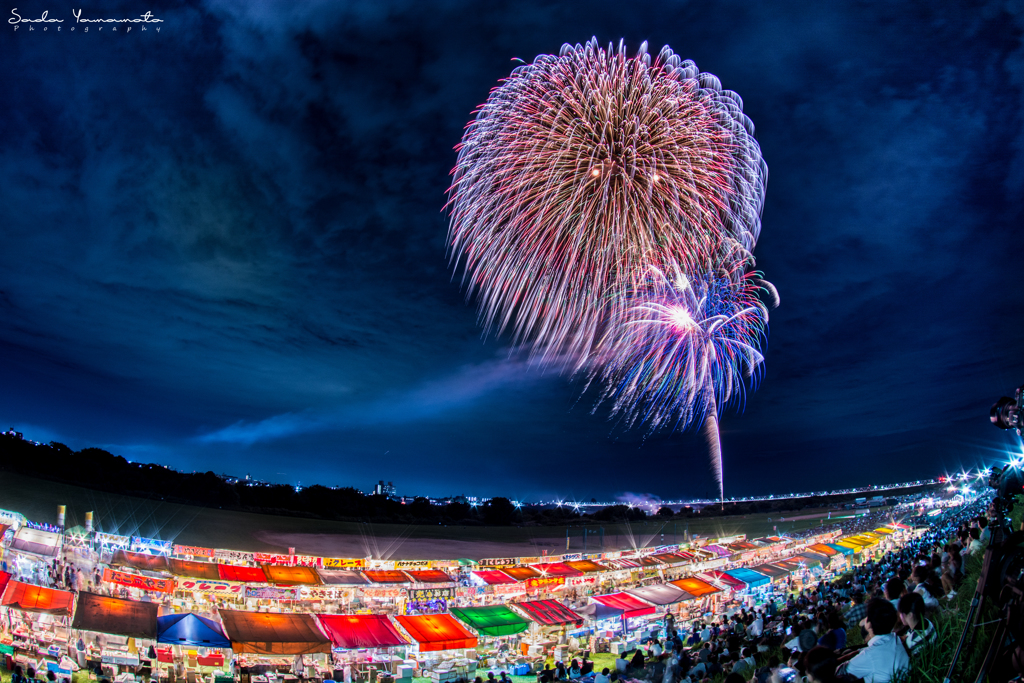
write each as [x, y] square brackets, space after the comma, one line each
[426, 401]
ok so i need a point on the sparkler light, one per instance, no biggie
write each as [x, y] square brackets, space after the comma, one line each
[581, 171]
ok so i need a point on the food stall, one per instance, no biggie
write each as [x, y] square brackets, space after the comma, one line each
[124, 622]
[272, 643]
[363, 645]
[36, 632]
[551, 618]
[184, 643]
[437, 635]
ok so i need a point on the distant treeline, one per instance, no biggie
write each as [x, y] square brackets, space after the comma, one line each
[95, 468]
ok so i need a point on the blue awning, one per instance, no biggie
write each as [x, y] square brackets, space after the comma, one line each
[190, 629]
[843, 549]
[749, 577]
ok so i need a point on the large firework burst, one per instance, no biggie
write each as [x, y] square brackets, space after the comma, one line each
[684, 347]
[583, 169]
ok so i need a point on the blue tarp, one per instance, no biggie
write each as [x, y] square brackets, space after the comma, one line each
[750, 577]
[844, 550]
[190, 629]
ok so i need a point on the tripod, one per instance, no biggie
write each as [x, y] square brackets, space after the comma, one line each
[998, 581]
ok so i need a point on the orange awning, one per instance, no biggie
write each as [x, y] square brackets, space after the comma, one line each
[429, 576]
[30, 598]
[290, 576]
[436, 632]
[587, 566]
[695, 586]
[521, 573]
[823, 549]
[195, 570]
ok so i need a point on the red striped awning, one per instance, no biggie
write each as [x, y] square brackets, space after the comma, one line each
[386, 576]
[723, 578]
[630, 606]
[548, 612]
[231, 572]
[557, 569]
[429, 576]
[494, 577]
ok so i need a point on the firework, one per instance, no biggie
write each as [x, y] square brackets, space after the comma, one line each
[583, 169]
[684, 347]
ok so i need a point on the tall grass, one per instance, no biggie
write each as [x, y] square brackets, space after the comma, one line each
[930, 664]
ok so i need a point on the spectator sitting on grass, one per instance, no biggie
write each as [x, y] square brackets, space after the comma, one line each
[637, 662]
[884, 657]
[920, 631]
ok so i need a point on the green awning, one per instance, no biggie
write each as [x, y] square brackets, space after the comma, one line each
[496, 620]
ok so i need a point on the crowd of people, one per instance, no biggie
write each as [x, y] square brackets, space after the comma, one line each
[804, 636]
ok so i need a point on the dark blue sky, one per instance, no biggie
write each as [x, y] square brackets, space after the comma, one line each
[223, 244]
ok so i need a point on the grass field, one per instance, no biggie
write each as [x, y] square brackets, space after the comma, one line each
[38, 500]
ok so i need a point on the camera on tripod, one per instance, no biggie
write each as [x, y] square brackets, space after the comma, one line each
[1006, 413]
[1008, 483]
[1002, 572]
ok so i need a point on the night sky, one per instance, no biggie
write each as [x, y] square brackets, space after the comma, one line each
[223, 243]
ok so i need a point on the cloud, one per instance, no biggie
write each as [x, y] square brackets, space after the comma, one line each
[425, 402]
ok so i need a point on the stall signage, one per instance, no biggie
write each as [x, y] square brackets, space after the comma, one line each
[533, 560]
[266, 558]
[342, 563]
[498, 562]
[582, 581]
[443, 564]
[383, 592]
[12, 518]
[307, 560]
[141, 582]
[412, 564]
[113, 541]
[211, 586]
[267, 593]
[322, 593]
[651, 573]
[431, 593]
[572, 557]
[382, 564]
[233, 555]
[151, 545]
[193, 551]
[506, 589]
[611, 556]
[471, 591]
[545, 582]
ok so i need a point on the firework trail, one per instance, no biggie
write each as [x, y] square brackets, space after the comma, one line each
[583, 169]
[684, 347]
